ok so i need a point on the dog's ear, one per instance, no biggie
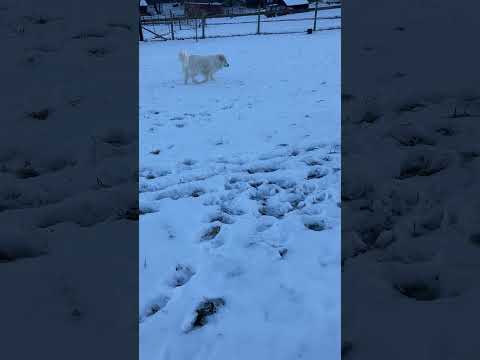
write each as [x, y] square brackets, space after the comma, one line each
[221, 57]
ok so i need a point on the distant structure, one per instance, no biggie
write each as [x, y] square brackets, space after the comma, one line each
[143, 8]
[295, 4]
[290, 4]
[149, 7]
[203, 7]
[171, 8]
[251, 3]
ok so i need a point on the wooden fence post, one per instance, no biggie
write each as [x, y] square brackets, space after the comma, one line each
[258, 17]
[203, 26]
[171, 29]
[315, 21]
[196, 28]
[140, 30]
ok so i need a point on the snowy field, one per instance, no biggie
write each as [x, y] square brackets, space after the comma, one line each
[244, 25]
[410, 223]
[239, 197]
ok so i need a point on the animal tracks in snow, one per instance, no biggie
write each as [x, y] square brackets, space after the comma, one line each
[243, 203]
[270, 185]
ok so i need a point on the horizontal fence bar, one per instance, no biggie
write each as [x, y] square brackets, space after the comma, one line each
[300, 32]
[276, 20]
[255, 34]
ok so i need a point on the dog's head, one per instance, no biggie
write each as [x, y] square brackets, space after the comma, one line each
[223, 60]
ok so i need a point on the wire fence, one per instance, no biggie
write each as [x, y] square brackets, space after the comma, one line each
[245, 24]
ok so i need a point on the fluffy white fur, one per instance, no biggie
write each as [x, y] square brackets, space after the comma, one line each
[193, 65]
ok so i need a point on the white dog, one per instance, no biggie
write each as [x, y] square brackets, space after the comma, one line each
[193, 65]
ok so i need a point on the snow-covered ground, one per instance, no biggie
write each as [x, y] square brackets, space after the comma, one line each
[411, 169]
[68, 193]
[244, 25]
[239, 201]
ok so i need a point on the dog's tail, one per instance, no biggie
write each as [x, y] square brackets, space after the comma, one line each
[183, 56]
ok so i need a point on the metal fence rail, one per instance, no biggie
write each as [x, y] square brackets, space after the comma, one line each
[254, 33]
[276, 20]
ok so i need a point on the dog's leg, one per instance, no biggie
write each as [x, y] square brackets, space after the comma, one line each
[198, 82]
[186, 77]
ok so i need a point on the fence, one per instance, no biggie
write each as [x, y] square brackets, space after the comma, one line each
[239, 24]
